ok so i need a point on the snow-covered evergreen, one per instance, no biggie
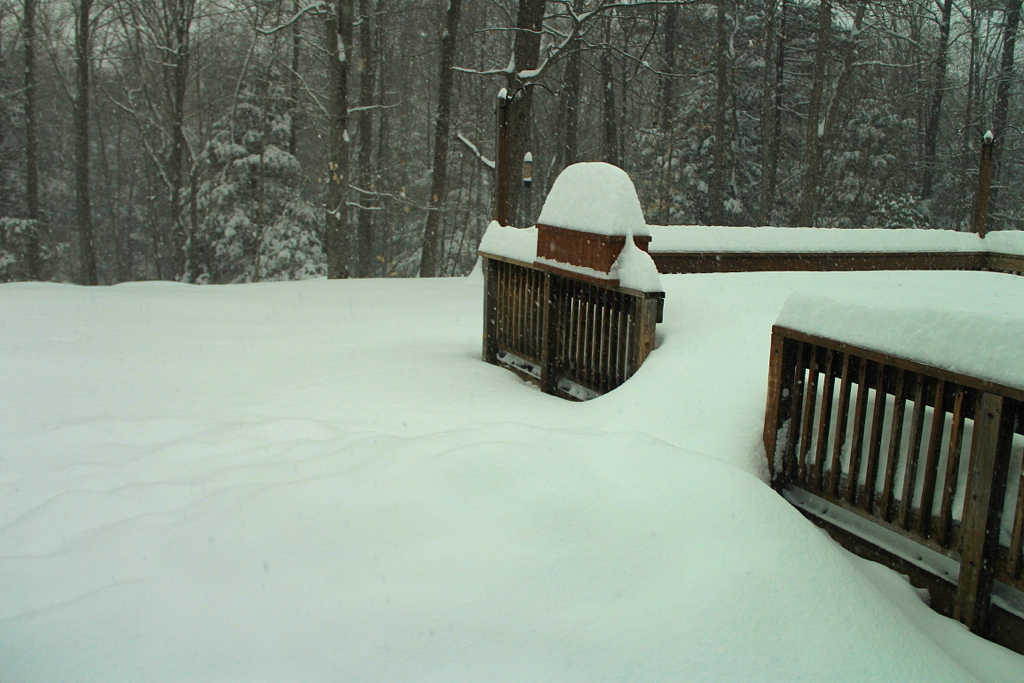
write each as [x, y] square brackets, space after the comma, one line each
[256, 222]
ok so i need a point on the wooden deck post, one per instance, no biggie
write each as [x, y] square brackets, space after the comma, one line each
[550, 320]
[647, 317]
[983, 509]
[782, 364]
[490, 351]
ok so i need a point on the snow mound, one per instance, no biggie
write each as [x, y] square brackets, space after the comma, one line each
[976, 344]
[321, 481]
[635, 269]
[594, 197]
[519, 244]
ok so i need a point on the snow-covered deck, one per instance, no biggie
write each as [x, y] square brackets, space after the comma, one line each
[322, 481]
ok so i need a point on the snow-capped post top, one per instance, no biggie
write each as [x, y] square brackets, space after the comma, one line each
[594, 197]
[592, 228]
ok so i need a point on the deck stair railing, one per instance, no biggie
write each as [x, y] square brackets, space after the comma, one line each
[564, 333]
[921, 451]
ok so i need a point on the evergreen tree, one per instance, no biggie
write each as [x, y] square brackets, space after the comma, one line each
[255, 222]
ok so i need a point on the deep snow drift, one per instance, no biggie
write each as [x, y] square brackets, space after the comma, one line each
[321, 481]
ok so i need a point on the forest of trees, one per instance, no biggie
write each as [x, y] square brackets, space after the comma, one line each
[219, 141]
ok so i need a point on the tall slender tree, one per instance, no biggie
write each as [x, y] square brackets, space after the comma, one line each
[931, 133]
[525, 56]
[339, 50]
[34, 255]
[771, 106]
[1000, 111]
[83, 198]
[717, 190]
[429, 260]
[367, 73]
[814, 130]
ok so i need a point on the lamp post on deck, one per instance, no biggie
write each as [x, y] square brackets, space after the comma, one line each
[988, 143]
[984, 184]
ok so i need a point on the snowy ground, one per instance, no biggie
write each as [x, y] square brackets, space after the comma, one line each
[321, 481]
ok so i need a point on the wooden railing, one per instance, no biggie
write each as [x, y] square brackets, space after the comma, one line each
[837, 427]
[565, 334]
[748, 262]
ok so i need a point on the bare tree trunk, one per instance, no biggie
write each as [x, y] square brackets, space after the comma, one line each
[721, 99]
[812, 158]
[526, 52]
[1002, 104]
[83, 198]
[34, 255]
[666, 114]
[293, 83]
[176, 62]
[771, 113]
[931, 132]
[609, 127]
[367, 70]
[569, 107]
[966, 186]
[339, 49]
[429, 260]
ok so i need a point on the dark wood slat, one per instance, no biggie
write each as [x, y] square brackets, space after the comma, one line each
[621, 341]
[779, 406]
[983, 509]
[577, 334]
[913, 451]
[895, 440]
[857, 438]
[797, 396]
[824, 419]
[951, 479]
[807, 420]
[931, 460]
[842, 410]
[1015, 560]
[603, 337]
[875, 441]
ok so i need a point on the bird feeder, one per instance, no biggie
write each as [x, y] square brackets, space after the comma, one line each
[527, 170]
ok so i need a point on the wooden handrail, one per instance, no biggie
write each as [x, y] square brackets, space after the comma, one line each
[744, 262]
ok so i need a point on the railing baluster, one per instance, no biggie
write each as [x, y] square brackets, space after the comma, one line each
[796, 388]
[1014, 558]
[875, 439]
[835, 469]
[913, 451]
[807, 421]
[949, 482]
[605, 338]
[824, 419]
[895, 441]
[931, 461]
[857, 443]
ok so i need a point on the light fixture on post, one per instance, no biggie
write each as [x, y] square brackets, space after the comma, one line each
[528, 169]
